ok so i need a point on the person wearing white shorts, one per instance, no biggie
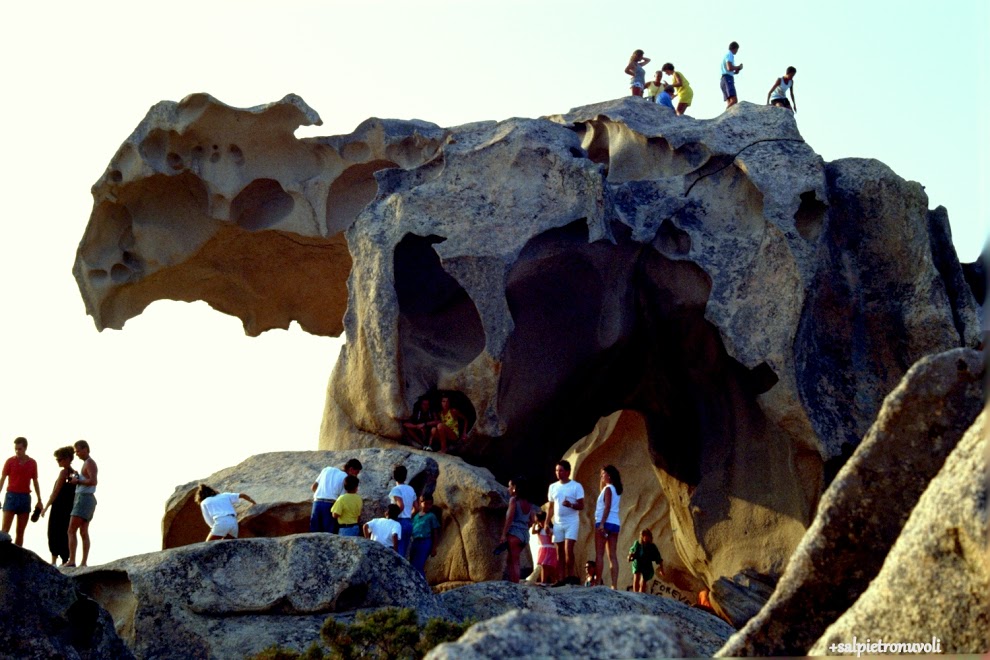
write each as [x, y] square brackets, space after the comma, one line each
[566, 500]
[218, 512]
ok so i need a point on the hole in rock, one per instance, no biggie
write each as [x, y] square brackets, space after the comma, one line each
[440, 329]
[262, 204]
[672, 240]
[578, 153]
[120, 273]
[350, 192]
[810, 216]
[215, 157]
[236, 154]
[174, 161]
[116, 176]
[600, 328]
[351, 598]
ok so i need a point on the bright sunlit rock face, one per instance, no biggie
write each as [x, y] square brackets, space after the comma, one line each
[749, 303]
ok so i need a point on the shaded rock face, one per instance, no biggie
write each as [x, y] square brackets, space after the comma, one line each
[44, 615]
[937, 575]
[207, 600]
[864, 511]
[471, 504]
[703, 632]
[531, 635]
[750, 302]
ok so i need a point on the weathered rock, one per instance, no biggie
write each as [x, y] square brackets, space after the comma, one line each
[864, 510]
[703, 631]
[229, 599]
[536, 635]
[208, 202]
[44, 615]
[935, 581]
[619, 440]
[740, 599]
[751, 303]
[472, 504]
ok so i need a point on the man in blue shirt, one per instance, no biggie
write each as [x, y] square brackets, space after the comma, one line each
[729, 71]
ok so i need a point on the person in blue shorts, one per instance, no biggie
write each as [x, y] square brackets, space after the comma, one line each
[729, 71]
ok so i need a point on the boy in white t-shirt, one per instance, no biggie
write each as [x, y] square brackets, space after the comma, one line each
[566, 499]
[386, 531]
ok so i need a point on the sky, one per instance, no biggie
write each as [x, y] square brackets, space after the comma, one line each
[181, 392]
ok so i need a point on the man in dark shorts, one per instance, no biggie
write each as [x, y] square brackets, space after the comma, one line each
[729, 71]
[21, 470]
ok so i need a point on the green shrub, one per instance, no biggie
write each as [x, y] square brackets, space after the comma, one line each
[387, 634]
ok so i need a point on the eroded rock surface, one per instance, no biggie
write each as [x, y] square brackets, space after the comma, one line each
[935, 581]
[751, 303]
[531, 635]
[44, 615]
[230, 599]
[864, 510]
[471, 503]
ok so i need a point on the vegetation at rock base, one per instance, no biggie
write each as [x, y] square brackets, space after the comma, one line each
[391, 633]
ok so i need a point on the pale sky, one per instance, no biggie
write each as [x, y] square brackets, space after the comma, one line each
[181, 392]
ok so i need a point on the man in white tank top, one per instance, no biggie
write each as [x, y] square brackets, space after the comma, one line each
[777, 95]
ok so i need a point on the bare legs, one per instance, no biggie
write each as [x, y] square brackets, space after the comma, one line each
[565, 558]
[605, 543]
[77, 523]
[682, 108]
[515, 548]
[445, 434]
[22, 520]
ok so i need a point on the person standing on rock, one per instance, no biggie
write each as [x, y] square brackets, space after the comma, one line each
[21, 470]
[387, 530]
[685, 94]
[729, 71]
[566, 500]
[519, 516]
[637, 73]
[405, 497]
[777, 96]
[642, 554]
[607, 522]
[83, 504]
[218, 512]
[546, 553]
[425, 534]
[346, 511]
[60, 502]
[326, 489]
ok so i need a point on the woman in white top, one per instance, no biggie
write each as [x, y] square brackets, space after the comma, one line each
[218, 512]
[607, 522]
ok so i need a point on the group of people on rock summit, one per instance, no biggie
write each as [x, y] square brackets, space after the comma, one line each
[72, 501]
[676, 93]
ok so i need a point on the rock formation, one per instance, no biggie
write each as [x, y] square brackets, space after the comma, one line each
[863, 514]
[44, 615]
[469, 500]
[207, 601]
[531, 635]
[751, 303]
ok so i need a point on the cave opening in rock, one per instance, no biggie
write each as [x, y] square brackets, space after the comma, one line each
[262, 204]
[602, 327]
[440, 330]
[350, 192]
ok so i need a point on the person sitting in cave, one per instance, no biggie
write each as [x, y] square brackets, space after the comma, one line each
[417, 430]
[452, 427]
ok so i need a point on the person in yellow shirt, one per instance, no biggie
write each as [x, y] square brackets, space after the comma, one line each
[681, 85]
[347, 508]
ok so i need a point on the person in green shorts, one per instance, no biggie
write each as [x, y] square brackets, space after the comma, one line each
[642, 554]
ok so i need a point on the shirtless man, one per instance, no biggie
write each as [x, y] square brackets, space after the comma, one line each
[84, 504]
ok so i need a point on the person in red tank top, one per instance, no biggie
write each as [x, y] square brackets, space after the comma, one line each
[21, 470]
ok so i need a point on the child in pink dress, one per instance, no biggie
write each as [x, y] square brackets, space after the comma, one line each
[547, 557]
